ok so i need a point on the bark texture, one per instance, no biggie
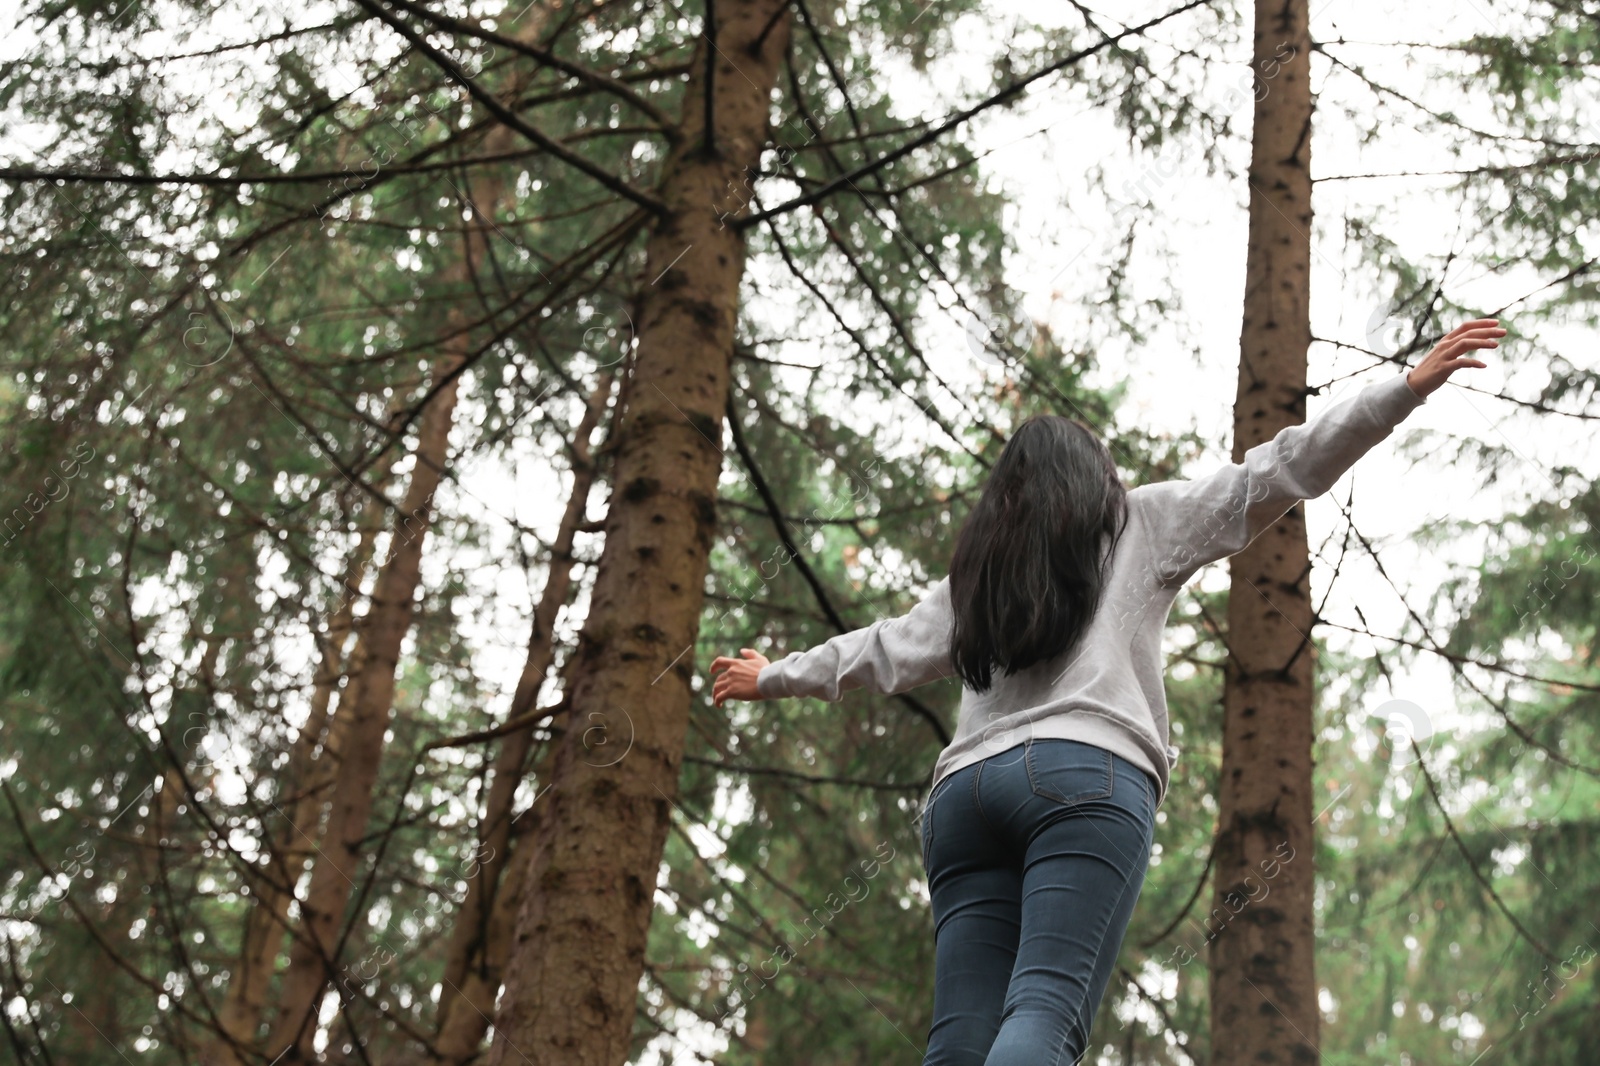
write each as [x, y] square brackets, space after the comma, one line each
[1263, 980]
[579, 948]
[475, 960]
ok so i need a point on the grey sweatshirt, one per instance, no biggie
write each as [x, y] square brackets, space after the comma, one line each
[1108, 690]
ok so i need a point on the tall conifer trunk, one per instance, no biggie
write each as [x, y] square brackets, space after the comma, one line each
[342, 859]
[475, 959]
[578, 953]
[340, 863]
[294, 830]
[1263, 977]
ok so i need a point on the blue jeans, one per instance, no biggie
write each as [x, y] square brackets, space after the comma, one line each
[1035, 857]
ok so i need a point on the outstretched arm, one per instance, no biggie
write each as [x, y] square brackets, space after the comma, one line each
[1193, 523]
[889, 656]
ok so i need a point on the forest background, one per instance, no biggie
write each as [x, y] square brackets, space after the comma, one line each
[405, 402]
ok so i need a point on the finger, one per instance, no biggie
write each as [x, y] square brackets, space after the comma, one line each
[1487, 333]
[1465, 327]
[1467, 344]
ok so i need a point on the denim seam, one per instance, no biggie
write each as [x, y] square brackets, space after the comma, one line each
[927, 817]
[927, 814]
[1078, 1021]
[976, 802]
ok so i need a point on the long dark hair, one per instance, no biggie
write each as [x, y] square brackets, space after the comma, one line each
[1027, 572]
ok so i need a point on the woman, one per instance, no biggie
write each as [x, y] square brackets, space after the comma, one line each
[1037, 827]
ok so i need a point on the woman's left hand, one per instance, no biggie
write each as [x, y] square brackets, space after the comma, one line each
[738, 680]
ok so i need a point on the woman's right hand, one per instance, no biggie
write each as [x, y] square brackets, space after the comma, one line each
[1449, 355]
[738, 680]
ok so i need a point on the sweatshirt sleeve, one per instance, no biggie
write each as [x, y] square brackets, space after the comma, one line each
[1193, 523]
[889, 656]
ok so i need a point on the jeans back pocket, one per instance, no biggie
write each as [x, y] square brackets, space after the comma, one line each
[1068, 771]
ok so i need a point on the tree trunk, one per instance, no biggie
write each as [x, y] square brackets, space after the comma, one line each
[578, 954]
[370, 698]
[462, 1028]
[472, 971]
[1263, 979]
[297, 826]
[371, 690]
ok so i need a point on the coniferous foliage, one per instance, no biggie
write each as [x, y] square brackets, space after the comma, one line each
[340, 339]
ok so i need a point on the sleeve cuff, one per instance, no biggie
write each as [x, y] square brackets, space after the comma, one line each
[767, 682]
[1394, 399]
